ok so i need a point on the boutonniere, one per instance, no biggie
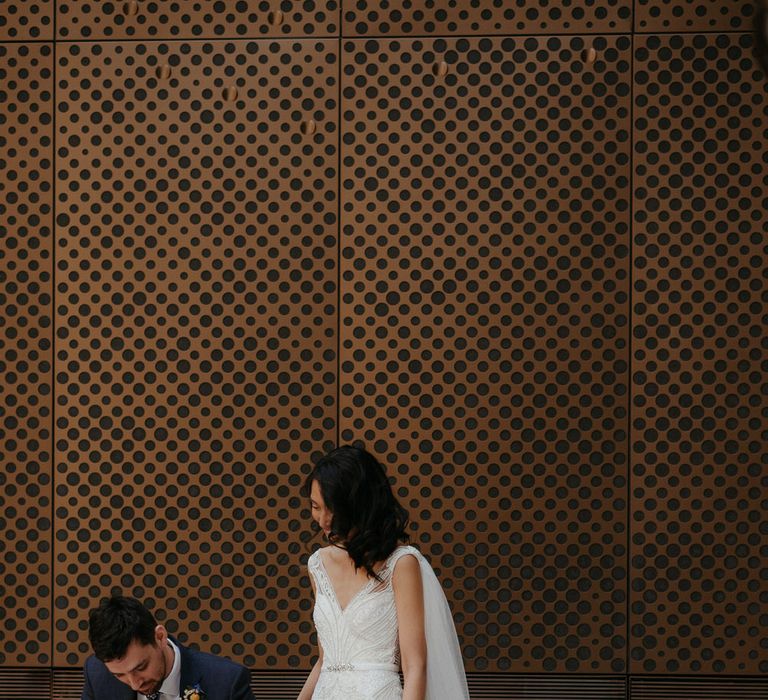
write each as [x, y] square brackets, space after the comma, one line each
[193, 693]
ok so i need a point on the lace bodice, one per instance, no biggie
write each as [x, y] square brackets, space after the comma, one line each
[360, 641]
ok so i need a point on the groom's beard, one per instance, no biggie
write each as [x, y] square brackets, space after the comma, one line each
[163, 674]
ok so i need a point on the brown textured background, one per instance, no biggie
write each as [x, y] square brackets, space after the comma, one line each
[518, 252]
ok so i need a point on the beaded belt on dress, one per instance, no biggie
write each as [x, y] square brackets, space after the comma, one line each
[362, 666]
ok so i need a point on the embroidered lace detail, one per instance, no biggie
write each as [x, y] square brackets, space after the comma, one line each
[363, 633]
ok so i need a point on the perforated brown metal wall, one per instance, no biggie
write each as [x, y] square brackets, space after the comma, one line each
[699, 441]
[484, 326]
[26, 198]
[426, 17]
[196, 230]
[167, 19]
[516, 249]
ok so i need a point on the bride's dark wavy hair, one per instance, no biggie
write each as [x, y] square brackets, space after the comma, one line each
[367, 519]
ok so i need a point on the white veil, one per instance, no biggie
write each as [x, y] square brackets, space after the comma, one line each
[446, 679]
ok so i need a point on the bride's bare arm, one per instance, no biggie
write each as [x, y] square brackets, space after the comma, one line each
[311, 682]
[309, 685]
[409, 601]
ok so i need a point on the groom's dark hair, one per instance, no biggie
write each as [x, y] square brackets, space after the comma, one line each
[116, 623]
[368, 521]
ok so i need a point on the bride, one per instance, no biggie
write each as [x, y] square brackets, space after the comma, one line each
[379, 607]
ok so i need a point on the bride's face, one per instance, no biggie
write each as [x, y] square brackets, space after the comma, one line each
[320, 513]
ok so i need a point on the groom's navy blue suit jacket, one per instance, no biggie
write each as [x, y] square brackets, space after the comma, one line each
[219, 679]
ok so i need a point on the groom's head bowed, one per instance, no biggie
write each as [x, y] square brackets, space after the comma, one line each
[127, 639]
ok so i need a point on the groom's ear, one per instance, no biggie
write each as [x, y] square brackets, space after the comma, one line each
[161, 635]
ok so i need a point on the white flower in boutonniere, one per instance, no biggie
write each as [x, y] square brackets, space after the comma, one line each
[193, 693]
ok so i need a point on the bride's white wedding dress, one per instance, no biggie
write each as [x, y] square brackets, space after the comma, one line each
[361, 657]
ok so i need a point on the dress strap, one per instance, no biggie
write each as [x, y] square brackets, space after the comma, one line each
[401, 552]
[314, 566]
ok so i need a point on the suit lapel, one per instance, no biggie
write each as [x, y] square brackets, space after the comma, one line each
[190, 674]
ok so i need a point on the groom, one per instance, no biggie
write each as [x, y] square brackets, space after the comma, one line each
[135, 659]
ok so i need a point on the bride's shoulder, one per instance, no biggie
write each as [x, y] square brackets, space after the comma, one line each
[315, 558]
[406, 549]
[401, 551]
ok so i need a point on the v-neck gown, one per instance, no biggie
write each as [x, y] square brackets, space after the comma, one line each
[361, 656]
